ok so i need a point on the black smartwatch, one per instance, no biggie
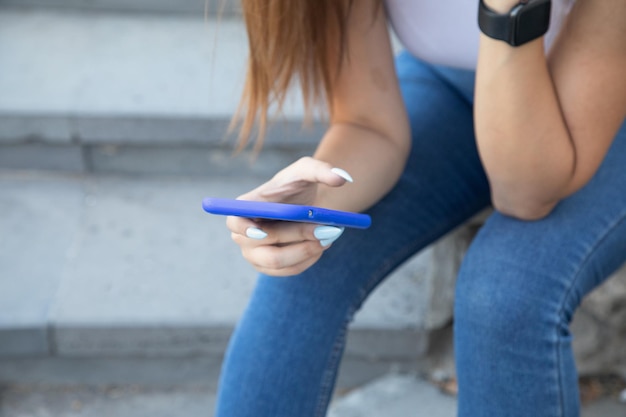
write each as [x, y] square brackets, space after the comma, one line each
[526, 21]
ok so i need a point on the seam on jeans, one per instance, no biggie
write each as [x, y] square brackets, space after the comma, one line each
[332, 366]
[584, 262]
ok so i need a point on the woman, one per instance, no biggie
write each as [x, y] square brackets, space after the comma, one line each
[463, 121]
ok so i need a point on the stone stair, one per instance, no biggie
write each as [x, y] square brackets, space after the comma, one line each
[112, 129]
[128, 93]
[190, 7]
[113, 126]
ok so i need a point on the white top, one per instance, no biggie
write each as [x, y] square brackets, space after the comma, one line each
[446, 31]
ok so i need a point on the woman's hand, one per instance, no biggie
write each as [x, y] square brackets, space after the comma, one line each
[279, 248]
[369, 135]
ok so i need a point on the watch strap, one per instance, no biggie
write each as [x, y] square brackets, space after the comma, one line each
[492, 24]
[526, 21]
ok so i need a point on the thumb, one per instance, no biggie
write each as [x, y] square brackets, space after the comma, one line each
[316, 171]
[301, 176]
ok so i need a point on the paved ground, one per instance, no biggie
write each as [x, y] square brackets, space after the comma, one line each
[130, 401]
[391, 396]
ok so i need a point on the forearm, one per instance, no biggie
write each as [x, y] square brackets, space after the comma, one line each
[374, 161]
[522, 136]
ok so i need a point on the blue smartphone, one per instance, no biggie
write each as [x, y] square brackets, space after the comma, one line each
[285, 212]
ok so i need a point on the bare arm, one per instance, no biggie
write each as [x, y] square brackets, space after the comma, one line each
[369, 137]
[544, 125]
[369, 134]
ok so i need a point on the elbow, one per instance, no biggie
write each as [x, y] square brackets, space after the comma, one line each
[525, 211]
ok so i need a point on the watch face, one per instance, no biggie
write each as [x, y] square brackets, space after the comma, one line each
[532, 21]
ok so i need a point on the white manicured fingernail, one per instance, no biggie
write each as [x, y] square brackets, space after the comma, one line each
[255, 233]
[327, 232]
[327, 242]
[343, 174]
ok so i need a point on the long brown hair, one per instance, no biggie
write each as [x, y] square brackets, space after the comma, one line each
[289, 40]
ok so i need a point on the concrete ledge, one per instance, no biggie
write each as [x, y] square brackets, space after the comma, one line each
[135, 340]
[161, 371]
[189, 160]
[142, 145]
[145, 145]
[227, 7]
[187, 356]
[130, 269]
[53, 129]
[42, 157]
[100, 371]
[23, 342]
[120, 129]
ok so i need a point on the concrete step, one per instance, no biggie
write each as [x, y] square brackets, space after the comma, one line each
[114, 92]
[392, 395]
[197, 7]
[397, 395]
[87, 90]
[106, 401]
[70, 62]
[109, 279]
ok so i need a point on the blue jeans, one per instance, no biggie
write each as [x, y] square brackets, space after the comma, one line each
[517, 290]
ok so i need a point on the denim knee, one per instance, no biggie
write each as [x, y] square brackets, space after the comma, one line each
[515, 296]
[510, 289]
[501, 311]
[511, 338]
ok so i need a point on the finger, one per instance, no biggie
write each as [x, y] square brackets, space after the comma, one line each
[291, 270]
[245, 227]
[278, 258]
[328, 234]
[280, 232]
[271, 232]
